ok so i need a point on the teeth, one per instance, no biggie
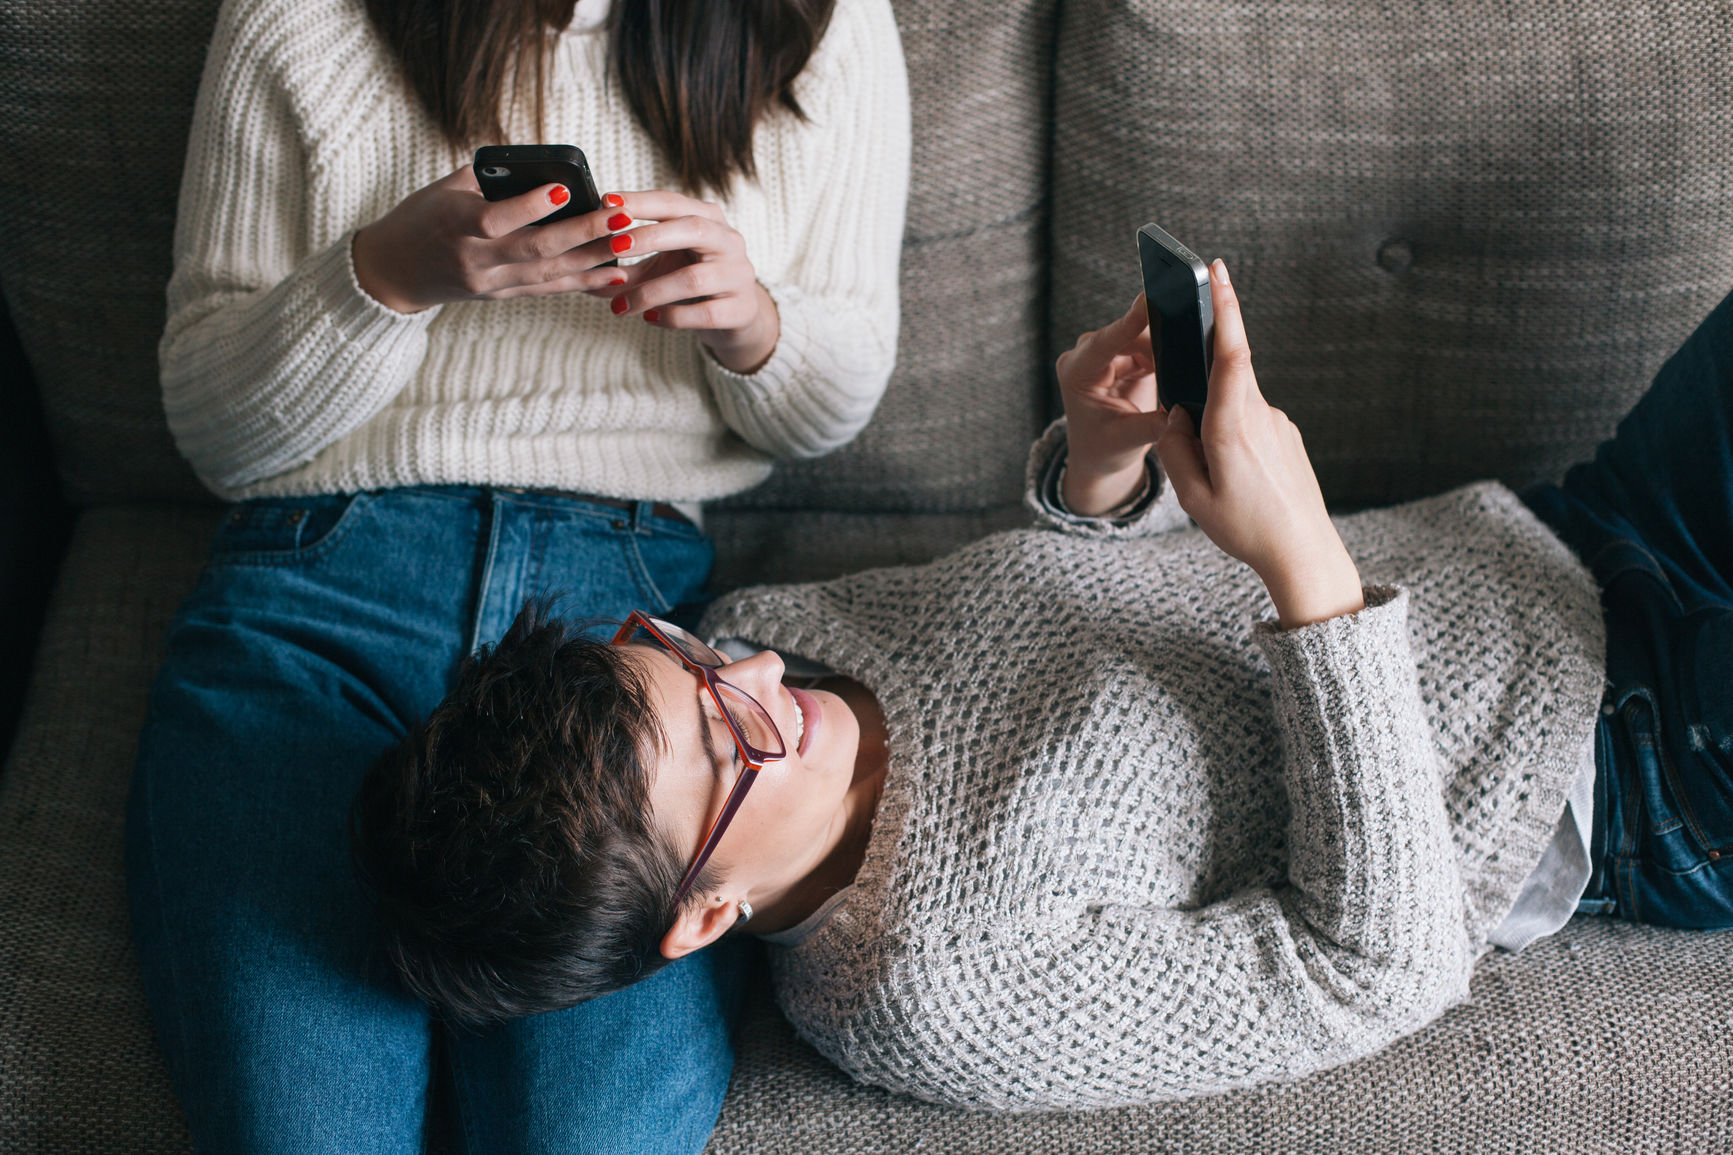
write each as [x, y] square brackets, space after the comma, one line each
[799, 721]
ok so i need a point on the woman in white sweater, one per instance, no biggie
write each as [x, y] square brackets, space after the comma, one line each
[427, 407]
[1069, 826]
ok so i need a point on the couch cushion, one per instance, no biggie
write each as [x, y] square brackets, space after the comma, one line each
[1607, 1037]
[1465, 235]
[79, 1069]
[106, 89]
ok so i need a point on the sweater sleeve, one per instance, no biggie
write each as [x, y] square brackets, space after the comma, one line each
[1158, 513]
[838, 302]
[1361, 943]
[272, 351]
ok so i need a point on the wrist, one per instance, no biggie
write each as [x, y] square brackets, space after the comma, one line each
[365, 259]
[748, 349]
[1315, 589]
[1093, 492]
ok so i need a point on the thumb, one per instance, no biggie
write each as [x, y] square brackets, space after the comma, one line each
[1182, 459]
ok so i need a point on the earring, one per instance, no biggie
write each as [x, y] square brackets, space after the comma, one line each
[745, 913]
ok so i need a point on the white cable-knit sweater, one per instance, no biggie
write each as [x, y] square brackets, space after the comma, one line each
[280, 376]
[1132, 847]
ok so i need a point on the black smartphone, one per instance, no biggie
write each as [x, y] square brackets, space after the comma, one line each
[507, 170]
[1181, 320]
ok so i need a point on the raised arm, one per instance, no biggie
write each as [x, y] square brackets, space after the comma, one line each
[271, 350]
[1244, 478]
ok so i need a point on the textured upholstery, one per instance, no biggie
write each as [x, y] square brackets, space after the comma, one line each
[1465, 235]
[98, 95]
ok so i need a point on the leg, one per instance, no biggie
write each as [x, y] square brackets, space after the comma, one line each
[1652, 515]
[644, 1069]
[641, 1070]
[276, 693]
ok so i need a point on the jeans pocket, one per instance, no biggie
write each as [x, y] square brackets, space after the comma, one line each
[1703, 755]
[284, 530]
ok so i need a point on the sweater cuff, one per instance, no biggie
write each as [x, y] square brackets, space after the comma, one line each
[816, 392]
[354, 313]
[1156, 512]
[1337, 675]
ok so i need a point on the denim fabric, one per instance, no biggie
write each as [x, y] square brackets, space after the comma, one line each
[319, 631]
[1652, 516]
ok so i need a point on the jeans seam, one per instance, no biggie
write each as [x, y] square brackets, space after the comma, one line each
[629, 542]
[461, 1084]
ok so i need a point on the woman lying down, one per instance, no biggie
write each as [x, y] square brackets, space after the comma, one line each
[1068, 825]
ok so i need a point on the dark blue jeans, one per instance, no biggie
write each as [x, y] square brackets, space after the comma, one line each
[320, 630]
[1652, 516]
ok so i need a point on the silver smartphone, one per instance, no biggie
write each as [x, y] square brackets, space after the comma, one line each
[1181, 320]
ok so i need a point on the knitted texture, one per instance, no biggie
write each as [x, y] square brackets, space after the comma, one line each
[1132, 849]
[281, 376]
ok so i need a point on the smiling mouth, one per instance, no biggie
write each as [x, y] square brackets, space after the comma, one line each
[807, 714]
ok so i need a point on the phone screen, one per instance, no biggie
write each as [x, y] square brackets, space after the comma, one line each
[1180, 329]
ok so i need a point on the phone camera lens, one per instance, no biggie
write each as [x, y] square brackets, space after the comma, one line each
[495, 171]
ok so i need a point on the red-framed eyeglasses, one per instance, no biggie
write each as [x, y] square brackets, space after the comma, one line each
[750, 724]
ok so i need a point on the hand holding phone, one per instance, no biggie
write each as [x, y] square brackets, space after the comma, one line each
[449, 242]
[1246, 481]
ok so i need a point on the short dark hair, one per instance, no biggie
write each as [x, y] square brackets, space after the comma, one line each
[507, 842]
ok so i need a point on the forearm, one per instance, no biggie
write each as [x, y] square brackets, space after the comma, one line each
[255, 384]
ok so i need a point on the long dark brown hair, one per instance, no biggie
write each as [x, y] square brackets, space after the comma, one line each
[699, 75]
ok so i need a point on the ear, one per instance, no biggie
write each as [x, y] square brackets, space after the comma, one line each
[699, 926]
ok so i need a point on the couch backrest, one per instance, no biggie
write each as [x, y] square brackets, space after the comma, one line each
[1465, 234]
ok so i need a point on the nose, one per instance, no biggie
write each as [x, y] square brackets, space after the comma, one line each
[759, 675]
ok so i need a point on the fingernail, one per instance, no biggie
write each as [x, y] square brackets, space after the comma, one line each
[617, 281]
[1221, 270]
[620, 243]
[614, 201]
[619, 221]
[619, 305]
[653, 315]
[559, 195]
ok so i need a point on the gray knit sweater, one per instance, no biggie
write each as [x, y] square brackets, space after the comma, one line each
[1133, 847]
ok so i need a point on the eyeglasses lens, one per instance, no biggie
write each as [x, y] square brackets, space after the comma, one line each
[749, 717]
[689, 645]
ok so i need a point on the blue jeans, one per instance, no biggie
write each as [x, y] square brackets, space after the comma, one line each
[1652, 517]
[319, 631]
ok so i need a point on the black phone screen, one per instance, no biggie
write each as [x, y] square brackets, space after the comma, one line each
[1176, 285]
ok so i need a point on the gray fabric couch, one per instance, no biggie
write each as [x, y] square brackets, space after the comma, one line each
[1465, 235]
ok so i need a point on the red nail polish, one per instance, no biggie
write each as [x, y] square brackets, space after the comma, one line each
[617, 281]
[619, 306]
[653, 316]
[619, 221]
[620, 243]
[614, 201]
[559, 195]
